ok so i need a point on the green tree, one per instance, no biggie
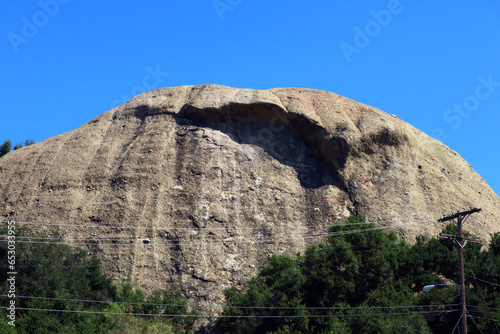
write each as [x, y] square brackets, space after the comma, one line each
[27, 142]
[344, 278]
[5, 147]
[159, 303]
[62, 278]
[362, 274]
[58, 272]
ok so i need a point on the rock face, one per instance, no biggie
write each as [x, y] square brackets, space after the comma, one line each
[193, 187]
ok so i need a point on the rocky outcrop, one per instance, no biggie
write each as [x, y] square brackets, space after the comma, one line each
[193, 187]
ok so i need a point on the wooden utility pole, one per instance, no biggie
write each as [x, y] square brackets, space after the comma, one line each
[461, 241]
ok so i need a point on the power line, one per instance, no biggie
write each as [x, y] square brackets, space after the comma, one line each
[351, 249]
[456, 325]
[178, 262]
[255, 251]
[428, 218]
[240, 307]
[49, 266]
[209, 254]
[175, 242]
[128, 239]
[237, 316]
[474, 322]
[485, 307]
[481, 280]
[478, 317]
[184, 228]
[230, 239]
[133, 239]
[203, 254]
[481, 292]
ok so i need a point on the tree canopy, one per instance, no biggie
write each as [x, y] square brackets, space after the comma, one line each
[63, 278]
[364, 280]
[6, 147]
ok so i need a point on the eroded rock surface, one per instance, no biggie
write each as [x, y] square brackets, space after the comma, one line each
[193, 187]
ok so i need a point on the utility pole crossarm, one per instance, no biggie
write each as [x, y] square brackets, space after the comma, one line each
[458, 214]
[454, 237]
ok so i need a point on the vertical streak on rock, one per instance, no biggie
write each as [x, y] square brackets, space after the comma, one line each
[203, 204]
[128, 150]
[75, 218]
[254, 174]
[159, 210]
[236, 197]
[26, 180]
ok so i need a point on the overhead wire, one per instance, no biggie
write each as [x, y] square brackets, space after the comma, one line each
[456, 325]
[225, 240]
[230, 238]
[428, 218]
[484, 318]
[233, 316]
[255, 251]
[239, 307]
[209, 254]
[484, 222]
[482, 295]
[482, 280]
[175, 242]
[89, 239]
[373, 248]
[183, 228]
[202, 229]
[474, 322]
[485, 307]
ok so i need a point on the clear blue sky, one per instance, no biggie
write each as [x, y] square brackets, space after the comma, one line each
[435, 64]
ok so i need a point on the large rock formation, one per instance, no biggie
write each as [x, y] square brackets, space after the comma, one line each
[194, 186]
